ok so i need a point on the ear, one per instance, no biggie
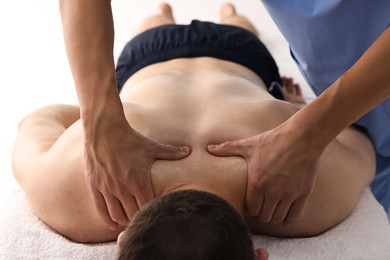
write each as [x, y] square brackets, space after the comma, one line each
[120, 238]
[261, 254]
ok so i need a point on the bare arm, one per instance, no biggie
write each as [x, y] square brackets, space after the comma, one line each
[47, 159]
[37, 133]
[118, 159]
[89, 38]
[283, 162]
[365, 85]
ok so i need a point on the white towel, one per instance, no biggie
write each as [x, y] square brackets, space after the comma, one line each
[24, 236]
[364, 235]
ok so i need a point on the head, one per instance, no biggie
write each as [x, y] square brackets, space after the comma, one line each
[190, 225]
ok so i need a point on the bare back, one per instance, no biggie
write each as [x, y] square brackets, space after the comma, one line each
[196, 102]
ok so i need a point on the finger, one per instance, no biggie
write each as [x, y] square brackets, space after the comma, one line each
[253, 201]
[293, 90]
[281, 212]
[298, 90]
[288, 81]
[116, 210]
[268, 209]
[284, 81]
[172, 152]
[289, 84]
[296, 210]
[129, 205]
[229, 148]
[145, 194]
[102, 209]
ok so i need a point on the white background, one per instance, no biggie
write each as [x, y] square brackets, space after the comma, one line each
[33, 66]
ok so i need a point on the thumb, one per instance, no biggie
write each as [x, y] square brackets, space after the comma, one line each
[172, 152]
[228, 148]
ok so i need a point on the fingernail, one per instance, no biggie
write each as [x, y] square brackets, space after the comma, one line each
[212, 146]
[184, 149]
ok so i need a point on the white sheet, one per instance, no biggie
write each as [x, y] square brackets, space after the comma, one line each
[364, 235]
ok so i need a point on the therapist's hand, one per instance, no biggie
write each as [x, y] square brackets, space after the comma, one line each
[281, 172]
[118, 164]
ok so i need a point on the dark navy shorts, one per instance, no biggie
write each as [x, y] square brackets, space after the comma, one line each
[199, 39]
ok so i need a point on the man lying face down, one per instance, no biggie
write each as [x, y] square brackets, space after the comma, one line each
[196, 85]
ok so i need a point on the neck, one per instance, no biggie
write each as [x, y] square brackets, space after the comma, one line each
[225, 177]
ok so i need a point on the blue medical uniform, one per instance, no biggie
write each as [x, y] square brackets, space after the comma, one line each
[326, 38]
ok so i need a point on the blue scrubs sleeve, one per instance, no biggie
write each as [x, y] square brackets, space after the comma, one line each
[326, 38]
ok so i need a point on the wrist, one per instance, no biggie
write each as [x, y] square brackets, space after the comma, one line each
[300, 134]
[314, 126]
[101, 116]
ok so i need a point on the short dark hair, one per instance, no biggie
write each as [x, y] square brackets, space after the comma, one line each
[189, 224]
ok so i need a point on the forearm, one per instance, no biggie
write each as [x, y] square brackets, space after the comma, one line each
[365, 85]
[89, 37]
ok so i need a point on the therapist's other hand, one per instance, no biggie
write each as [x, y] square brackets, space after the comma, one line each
[281, 173]
[118, 167]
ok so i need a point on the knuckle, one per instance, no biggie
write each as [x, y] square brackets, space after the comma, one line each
[306, 192]
[274, 193]
[122, 192]
[226, 145]
[256, 184]
[91, 179]
[257, 181]
[105, 189]
[289, 194]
